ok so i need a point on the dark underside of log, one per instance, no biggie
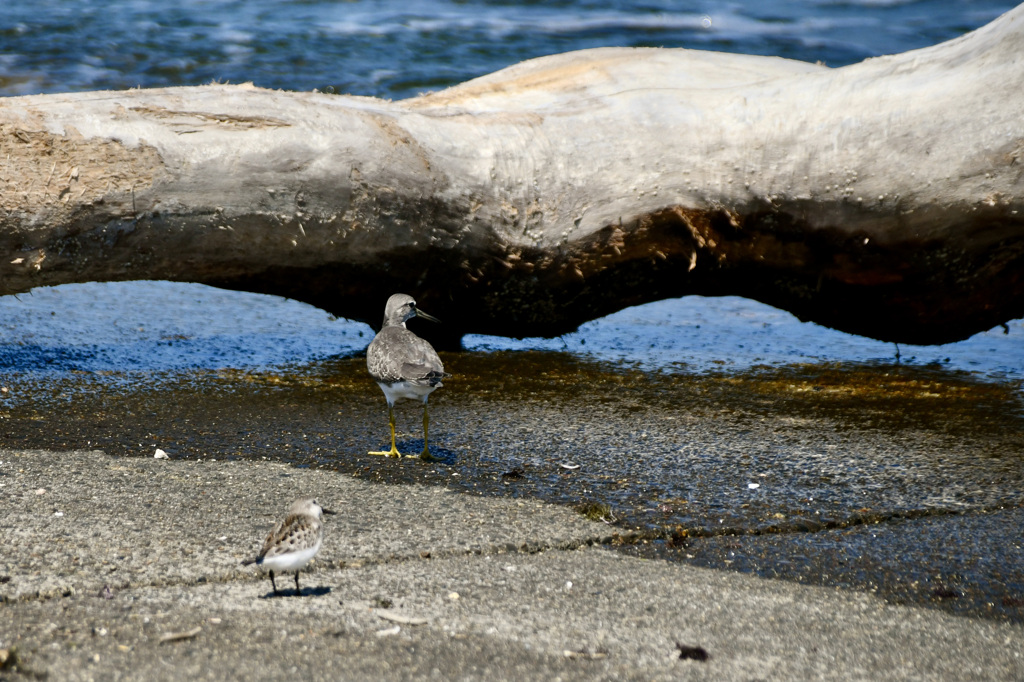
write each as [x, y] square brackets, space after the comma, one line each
[912, 291]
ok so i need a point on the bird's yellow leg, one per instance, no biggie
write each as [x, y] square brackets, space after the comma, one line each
[393, 452]
[425, 455]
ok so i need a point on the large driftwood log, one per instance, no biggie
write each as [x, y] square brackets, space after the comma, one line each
[882, 198]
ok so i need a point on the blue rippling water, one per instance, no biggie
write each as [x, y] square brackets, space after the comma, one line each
[398, 48]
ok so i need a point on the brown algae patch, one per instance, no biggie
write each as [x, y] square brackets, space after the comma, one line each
[595, 511]
[895, 395]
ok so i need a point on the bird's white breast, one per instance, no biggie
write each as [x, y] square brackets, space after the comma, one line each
[404, 390]
[290, 561]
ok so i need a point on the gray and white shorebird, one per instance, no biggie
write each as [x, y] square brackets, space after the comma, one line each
[293, 542]
[404, 366]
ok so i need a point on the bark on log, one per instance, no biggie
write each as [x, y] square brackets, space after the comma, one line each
[882, 198]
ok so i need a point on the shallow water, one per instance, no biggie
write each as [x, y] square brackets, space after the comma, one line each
[160, 326]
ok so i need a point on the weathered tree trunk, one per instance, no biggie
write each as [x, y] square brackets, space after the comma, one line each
[882, 198]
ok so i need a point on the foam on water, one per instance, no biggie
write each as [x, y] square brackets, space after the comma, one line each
[695, 333]
[161, 326]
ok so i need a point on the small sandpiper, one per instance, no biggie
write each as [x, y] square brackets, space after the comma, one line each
[292, 542]
[404, 366]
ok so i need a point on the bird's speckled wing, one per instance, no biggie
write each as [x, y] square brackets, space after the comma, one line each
[296, 532]
[396, 354]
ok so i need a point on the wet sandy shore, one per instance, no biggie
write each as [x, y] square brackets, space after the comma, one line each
[901, 481]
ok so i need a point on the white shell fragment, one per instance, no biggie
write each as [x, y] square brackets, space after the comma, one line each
[396, 617]
[179, 636]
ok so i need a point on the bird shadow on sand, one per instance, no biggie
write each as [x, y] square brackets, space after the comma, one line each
[411, 450]
[304, 592]
[438, 455]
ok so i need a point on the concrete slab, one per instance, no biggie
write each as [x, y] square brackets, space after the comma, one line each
[138, 578]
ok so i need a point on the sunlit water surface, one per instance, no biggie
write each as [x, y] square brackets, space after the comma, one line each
[159, 326]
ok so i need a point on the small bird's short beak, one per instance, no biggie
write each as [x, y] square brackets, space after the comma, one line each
[328, 511]
[420, 313]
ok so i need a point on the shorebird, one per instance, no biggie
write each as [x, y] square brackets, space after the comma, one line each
[404, 366]
[292, 542]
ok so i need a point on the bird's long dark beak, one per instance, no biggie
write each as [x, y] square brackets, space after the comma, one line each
[328, 511]
[420, 313]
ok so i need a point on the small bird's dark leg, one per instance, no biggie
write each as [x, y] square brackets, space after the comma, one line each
[298, 590]
[273, 583]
